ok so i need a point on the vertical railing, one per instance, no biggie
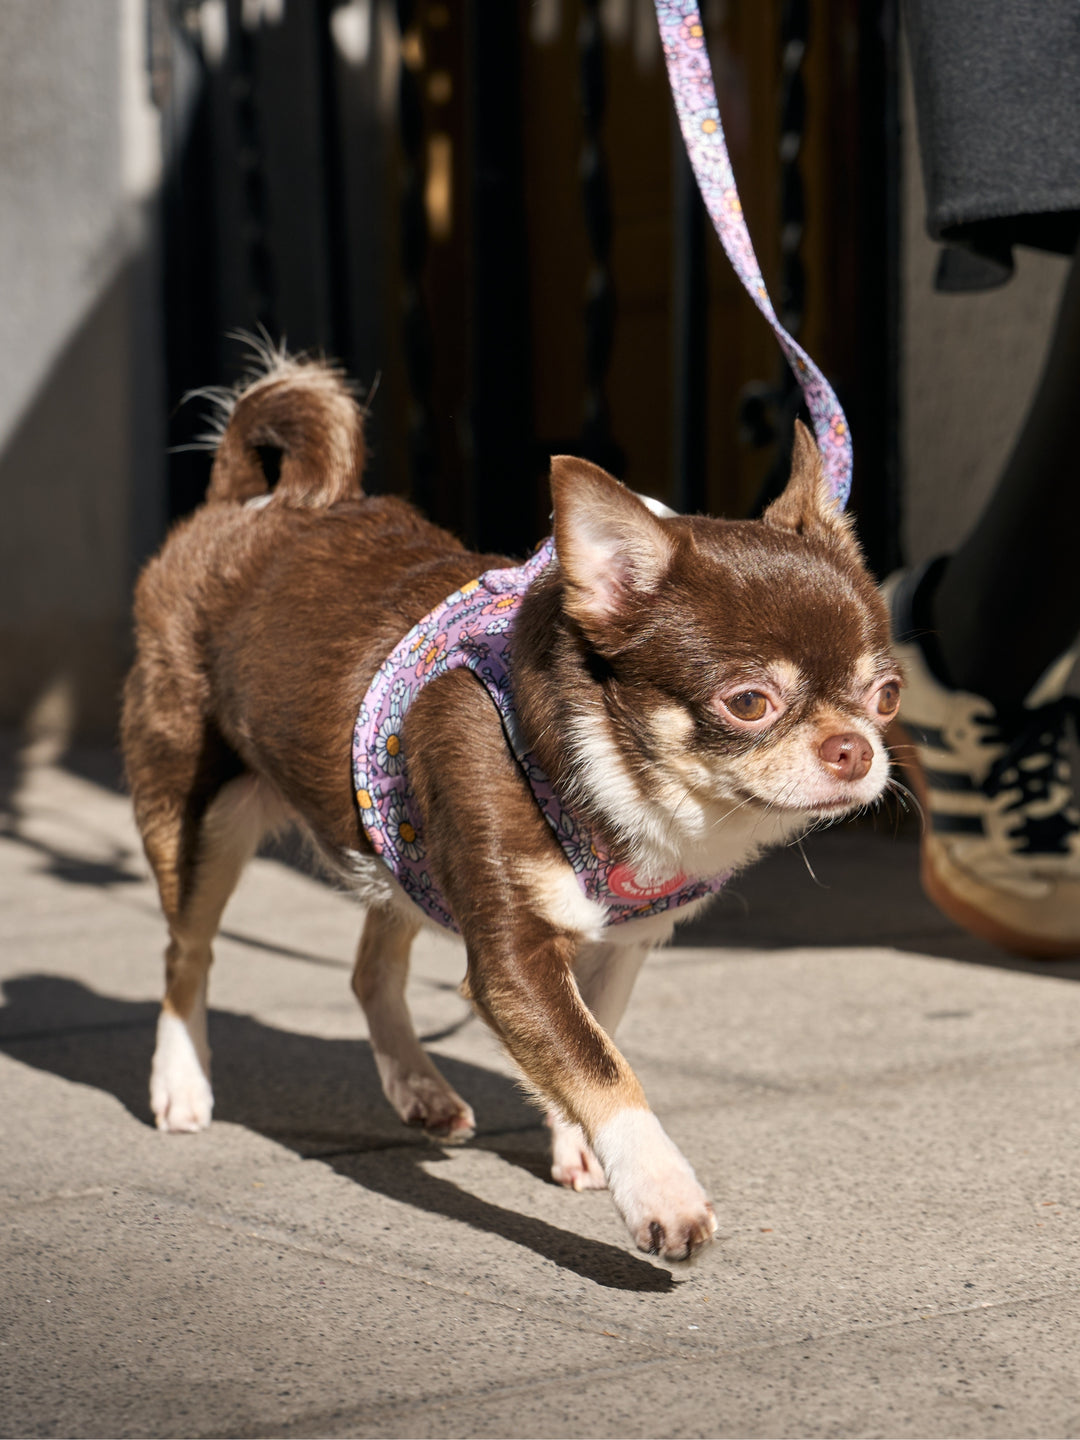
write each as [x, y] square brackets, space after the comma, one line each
[794, 33]
[597, 441]
[502, 466]
[689, 329]
[258, 258]
[877, 496]
[416, 327]
[768, 410]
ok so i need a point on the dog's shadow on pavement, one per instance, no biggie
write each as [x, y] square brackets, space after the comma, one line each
[319, 1097]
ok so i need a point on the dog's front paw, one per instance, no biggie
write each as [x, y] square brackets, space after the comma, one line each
[671, 1230]
[654, 1189]
[573, 1163]
[430, 1103]
[180, 1094]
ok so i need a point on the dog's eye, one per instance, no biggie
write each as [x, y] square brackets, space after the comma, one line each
[750, 705]
[888, 698]
[752, 709]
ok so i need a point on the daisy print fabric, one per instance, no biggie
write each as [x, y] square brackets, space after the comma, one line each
[474, 628]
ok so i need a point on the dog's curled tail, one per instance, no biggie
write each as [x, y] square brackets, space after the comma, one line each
[302, 408]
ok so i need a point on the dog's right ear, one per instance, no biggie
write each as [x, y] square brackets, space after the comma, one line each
[806, 506]
[611, 548]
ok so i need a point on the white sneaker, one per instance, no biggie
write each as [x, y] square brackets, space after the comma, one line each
[1001, 838]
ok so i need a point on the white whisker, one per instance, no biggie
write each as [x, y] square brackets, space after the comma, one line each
[806, 861]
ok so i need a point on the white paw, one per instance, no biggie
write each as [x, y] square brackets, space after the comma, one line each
[428, 1101]
[180, 1093]
[572, 1162]
[654, 1189]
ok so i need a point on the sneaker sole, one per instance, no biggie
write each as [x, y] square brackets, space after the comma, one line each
[1022, 943]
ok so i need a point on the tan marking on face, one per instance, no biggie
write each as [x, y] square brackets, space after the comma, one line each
[865, 671]
[786, 677]
[672, 727]
[693, 817]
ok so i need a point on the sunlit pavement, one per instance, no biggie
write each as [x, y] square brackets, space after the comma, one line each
[884, 1111]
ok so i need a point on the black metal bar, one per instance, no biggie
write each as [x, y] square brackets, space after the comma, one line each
[768, 412]
[339, 309]
[191, 257]
[876, 496]
[259, 262]
[689, 311]
[794, 35]
[502, 509]
[416, 326]
[359, 157]
[597, 441]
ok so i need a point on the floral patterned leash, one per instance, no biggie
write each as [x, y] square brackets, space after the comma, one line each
[690, 74]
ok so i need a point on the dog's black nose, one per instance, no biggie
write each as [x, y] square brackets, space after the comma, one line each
[849, 757]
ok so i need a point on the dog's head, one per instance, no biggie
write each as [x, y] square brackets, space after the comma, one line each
[724, 665]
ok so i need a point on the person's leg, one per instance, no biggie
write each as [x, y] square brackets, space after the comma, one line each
[985, 635]
[976, 632]
[1007, 602]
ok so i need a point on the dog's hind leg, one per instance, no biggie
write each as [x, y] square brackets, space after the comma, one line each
[197, 860]
[605, 972]
[410, 1081]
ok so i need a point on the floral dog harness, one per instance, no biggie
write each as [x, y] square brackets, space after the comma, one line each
[474, 627]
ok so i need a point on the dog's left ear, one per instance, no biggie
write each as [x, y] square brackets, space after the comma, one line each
[611, 547]
[805, 505]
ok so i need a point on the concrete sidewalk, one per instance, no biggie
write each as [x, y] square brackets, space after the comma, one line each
[885, 1112]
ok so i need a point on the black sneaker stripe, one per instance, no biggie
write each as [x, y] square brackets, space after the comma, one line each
[956, 824]
[951, 781]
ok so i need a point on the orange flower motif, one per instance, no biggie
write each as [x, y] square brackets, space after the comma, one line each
[501, 605]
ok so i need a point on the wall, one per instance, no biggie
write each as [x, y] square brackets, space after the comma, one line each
[81, 470]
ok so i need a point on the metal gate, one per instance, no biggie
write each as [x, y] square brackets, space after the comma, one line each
[482, 209]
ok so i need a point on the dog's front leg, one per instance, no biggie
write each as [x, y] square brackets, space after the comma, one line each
[605, 972]
[515, 900]
[523, 985]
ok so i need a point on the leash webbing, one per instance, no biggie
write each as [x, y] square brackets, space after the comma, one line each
[690, 74]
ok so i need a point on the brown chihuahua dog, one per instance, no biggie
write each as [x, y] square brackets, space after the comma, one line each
[695, 689]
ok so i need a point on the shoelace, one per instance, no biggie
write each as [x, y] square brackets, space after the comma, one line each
[1041, 733]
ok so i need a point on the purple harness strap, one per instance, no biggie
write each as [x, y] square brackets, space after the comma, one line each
[474, 628]
[692, 88]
